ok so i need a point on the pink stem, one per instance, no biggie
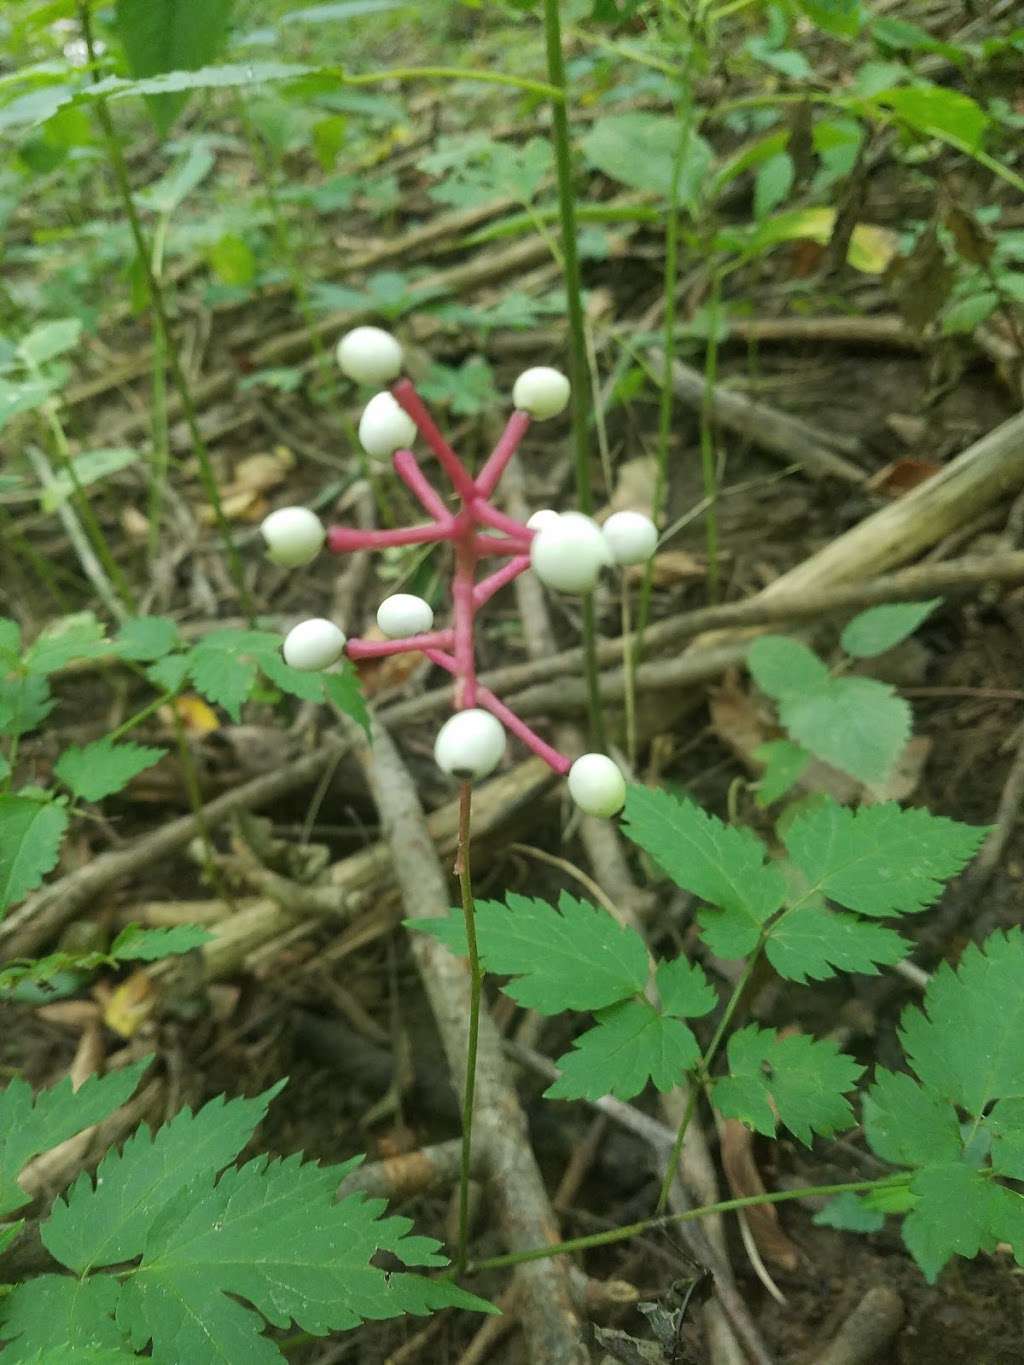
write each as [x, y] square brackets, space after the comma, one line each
[463, 583]
[487, 587]
[522, 731]
[381, 649]
[413, 404]
[490, 516]
[342, 538]
[500, 545]
[516, 428]
[416, 481]
[445, 661]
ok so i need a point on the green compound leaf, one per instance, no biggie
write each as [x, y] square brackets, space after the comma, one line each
[135, 944]
[74, 637]
[1005, 1124]
[880, 860]
[684, 990]
[797, 1081]
[30, 836]
[629, 1045]
[344, 690]
[841, 17]
[24, 704]
[224, 667]
[964, 1043]
[960, 1212]
[51, 1312]
[850, 1213]
[146, 638]
[102, 768]
[30, 1124]
[106, 1222]
[573, 958]
[857, 724]
[720, 863]
[782, 667]
[270, 1233]
[640, 149]
[880, 628]
[906, 1124]
[813, 943]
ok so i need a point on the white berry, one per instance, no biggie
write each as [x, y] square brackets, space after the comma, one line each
[469, 744]
[404, 614]
[385, 426]
[370, 355]
[294, 536]
[630, 536]
[596, 785]
[542, 392]
[569, 554]
[313, 645]
[544, 516]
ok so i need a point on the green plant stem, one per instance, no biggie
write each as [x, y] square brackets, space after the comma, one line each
[463, 870]
[578, 369]
[708, 453]
[161, 435]
[703, 1073]
[117, 164]
[630, 1230]
[553, 91]
[141, 715]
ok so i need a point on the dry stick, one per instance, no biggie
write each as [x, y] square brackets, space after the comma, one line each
[794, 440]
[550, 1321]
[867, 1332]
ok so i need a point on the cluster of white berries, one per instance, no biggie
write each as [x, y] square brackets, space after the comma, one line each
[570, 549]
[567, 553]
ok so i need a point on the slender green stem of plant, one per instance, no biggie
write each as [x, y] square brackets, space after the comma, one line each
[670, 284]
[141, 715]
[578, 369]
[462, 868]
[161, 436]
[703, 1073]
[630, 1230]
[117, 165]
[708, 452]
[455, 73]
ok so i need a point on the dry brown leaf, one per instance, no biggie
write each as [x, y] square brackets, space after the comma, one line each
[902, 476]
[197, 716]
[380, 675]
[127, 1007]
[745, 1181]
[242, 499]
[73, 1014]
[670, 567]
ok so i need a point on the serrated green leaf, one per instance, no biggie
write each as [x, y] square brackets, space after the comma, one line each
[102, 768]
[145, 638]
[51, 1312]
[573, 958]
[169, 674]
[306, 686]
[24, 704]
[798, 1081]
[30, 1124]
[850, 1213]
[964, 1043]
[344, 690]
[859, 725]
[880, 860]
[683, 989]
[720, 863]
[880, 628]
[1006, 1127]
[223, 667]
[784, 762]
[270, 1233]
[75, 637]
[959, 1213]
[50, 339]
[30, 838]
[630, 1044]
[135, 944]
[907, 1125]
[782, 667]
[106, 1222]
[811, 942]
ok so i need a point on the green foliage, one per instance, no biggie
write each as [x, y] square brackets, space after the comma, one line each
[784, 762]
[640, 150]
[99, 769]
[631, 1044]
[851, 1214]
[269, 1233]
[960, 1123]
[64, 972]
[165, 35]
[31, 831]
[797, 1081]
[880, 628]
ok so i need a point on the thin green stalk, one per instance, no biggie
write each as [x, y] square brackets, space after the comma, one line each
[141, 715]
[578, 369]
[158, 387]
[630, 1230]
[462, 868]
[704, 1071]
[553, 91]
[708, 452]
[117, 164]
